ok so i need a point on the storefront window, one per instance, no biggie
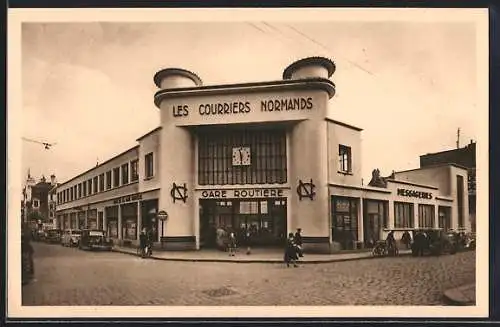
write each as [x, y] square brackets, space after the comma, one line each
[444, 217]
[425, 216]
[81, 220]
[129, 221]
[92, 219]
[112, 221]
[403, 215]
[74, 221]
[345, 221]
[67, 221]
[256, 222]
[149, 210]
[263, 158]
[376, 218]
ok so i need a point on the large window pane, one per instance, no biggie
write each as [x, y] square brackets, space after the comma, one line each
[262, 158]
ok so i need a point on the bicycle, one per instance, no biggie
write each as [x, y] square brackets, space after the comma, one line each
[144, 252]
[380, 249]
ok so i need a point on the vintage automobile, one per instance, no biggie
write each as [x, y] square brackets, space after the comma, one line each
[94, 239]
[71, 237]
[433, 241]
[53, 236]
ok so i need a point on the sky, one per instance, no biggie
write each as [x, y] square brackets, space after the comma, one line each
[89, 87]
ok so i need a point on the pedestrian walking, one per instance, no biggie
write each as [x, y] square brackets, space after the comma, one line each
[420, 243]
[290, 251]
[391, 243]
[232, 244]
[406, 239]
[142, 241]
[298, 242]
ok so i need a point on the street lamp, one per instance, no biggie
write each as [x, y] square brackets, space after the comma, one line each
[162, 215]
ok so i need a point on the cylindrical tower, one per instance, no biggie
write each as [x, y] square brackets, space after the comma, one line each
[309, 162]
[177, 165]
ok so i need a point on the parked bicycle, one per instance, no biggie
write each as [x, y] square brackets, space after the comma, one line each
[381, 249]
[145, 252]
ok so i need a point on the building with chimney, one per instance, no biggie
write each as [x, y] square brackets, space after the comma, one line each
[35, 202]
[260, 159]
[465, 157]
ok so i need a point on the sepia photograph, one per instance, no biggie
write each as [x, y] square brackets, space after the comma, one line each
[297, 162]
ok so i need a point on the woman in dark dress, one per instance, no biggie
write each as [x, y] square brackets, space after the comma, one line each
[291, 251]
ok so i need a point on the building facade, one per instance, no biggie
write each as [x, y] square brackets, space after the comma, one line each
[35, 203]
[466, 157]
[257, 158]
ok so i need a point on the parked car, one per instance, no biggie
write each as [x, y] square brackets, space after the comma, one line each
[53, 236]
[71, 237]
[94, 239]
[436, 241]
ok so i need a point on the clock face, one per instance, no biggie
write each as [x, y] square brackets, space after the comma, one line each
[241, 156]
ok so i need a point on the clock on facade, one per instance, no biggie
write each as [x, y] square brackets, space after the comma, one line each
[241, 156]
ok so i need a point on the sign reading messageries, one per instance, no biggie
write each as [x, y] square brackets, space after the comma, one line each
[414, 194]
[243, 107]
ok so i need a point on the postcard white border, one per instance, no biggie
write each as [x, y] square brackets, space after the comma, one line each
[14, 177]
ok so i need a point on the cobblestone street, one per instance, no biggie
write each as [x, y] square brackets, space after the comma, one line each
[68, 276]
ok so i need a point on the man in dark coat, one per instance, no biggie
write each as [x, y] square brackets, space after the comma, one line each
[406, 239]
[143, 241]
[420, 243]
[290, 251]
[298, 242]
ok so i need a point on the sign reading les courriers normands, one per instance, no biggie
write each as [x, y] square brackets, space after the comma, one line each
[240, 107]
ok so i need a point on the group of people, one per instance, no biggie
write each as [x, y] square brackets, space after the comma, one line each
[293, 248]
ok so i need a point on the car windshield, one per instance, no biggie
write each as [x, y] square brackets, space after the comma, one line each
[76, 232]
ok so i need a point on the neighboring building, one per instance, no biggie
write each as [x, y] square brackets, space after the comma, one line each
[52, 201]
[35, 199]
[261, 157]
[465, 157]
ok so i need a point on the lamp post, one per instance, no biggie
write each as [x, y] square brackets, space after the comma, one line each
[162, 215]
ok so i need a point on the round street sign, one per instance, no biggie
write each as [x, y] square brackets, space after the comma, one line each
[162, 215]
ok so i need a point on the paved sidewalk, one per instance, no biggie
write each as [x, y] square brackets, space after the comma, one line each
[463, 295]
[256, 256]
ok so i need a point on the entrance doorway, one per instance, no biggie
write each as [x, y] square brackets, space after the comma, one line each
[374, 220]
[256, 222]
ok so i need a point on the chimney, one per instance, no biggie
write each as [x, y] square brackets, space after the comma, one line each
[53, 179]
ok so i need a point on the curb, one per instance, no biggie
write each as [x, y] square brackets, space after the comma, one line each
[452, 300]
[273, 261]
